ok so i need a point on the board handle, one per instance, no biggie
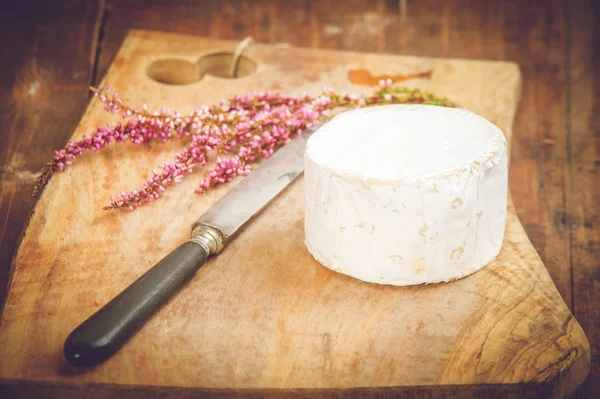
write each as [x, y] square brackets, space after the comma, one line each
[100, 336]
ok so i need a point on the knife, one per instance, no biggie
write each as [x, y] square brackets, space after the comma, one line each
[103, 333]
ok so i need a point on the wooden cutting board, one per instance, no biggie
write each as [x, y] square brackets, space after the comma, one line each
[264, 318]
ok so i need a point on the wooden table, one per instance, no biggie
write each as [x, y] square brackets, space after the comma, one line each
[52, 53]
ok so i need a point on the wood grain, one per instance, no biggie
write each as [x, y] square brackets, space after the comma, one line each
[40, 35]
[584, 168]
[44, 83]
[264, 316]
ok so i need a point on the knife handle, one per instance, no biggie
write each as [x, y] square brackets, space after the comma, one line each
[100, 336]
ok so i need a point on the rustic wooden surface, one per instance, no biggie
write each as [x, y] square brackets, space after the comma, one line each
[54, 52]
[264, 314]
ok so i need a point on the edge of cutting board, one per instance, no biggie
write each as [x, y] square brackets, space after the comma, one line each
[560, 357]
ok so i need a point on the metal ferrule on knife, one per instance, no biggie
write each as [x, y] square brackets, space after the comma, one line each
[208, 237]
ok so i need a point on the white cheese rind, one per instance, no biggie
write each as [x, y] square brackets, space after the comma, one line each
[406, 194]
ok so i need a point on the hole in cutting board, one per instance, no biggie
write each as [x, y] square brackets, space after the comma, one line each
[181, 72]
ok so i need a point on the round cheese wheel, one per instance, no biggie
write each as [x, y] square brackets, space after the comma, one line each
[406, 194]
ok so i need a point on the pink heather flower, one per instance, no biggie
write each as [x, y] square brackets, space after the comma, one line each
[385, 84]
[249, 127]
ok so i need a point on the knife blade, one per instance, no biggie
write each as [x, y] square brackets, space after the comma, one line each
[103, 333]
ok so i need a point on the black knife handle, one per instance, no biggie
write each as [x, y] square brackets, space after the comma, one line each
[100, 336]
